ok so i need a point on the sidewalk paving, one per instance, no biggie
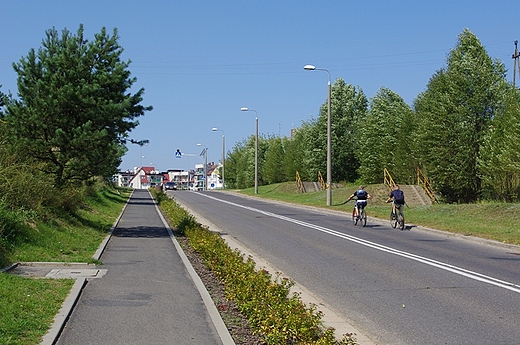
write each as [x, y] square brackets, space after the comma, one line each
[148, 292]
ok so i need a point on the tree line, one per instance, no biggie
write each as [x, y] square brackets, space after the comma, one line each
[463, 133]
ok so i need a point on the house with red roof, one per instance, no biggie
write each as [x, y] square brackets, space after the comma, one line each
[146, 177]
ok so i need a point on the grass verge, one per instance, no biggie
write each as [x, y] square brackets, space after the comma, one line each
[28, 307]
[69, 237]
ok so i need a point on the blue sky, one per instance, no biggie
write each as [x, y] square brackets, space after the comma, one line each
[201, 61]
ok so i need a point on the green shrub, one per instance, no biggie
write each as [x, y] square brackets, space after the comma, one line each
[159, 195]
[14, 226]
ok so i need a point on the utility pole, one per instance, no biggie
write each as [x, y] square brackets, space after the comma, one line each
[515, 56]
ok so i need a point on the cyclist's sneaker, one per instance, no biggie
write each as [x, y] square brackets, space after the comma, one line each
[392, 215]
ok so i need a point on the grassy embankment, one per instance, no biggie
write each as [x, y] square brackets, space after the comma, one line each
[491, 220]
[29, 305]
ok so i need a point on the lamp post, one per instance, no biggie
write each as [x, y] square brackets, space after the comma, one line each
[256, 148]
[215, 129]
[140, 143]
[205, 169]
[329, 159]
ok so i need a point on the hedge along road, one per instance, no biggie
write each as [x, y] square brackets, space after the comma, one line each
[419, 286]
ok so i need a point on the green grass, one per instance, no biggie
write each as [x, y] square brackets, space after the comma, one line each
[28, 305]
[70, 238]
[491, 220]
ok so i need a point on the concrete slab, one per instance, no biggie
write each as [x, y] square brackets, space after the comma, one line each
[62, 273]
[57, 270]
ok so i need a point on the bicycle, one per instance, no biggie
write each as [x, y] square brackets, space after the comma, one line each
[398, 218]
[361, 216]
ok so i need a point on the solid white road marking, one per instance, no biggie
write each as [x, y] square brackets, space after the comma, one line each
[444, 266]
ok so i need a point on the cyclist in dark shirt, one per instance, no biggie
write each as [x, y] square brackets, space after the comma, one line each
[362, 196]
[397, 195]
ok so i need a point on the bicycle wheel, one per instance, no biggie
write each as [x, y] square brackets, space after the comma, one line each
[400, 217]
[393, 220]
[363, 218]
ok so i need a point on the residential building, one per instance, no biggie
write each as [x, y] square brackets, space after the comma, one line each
[145, 177]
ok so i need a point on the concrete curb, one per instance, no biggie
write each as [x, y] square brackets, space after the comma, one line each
[8, 268]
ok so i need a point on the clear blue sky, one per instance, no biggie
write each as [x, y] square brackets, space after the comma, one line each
[201, 61]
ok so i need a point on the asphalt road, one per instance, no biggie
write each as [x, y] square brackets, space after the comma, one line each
[398, 287]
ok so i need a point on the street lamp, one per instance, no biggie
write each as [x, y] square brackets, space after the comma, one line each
[256, 148]
[205, 169]
[215, 129]
[140, 143]
[329, 159]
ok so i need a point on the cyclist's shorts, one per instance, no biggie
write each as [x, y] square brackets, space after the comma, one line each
[361, 203]
[398, 205]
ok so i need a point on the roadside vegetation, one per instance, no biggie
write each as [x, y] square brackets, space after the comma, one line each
[461, 133]
[59, 138]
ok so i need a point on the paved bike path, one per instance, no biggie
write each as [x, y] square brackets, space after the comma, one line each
[149, 294]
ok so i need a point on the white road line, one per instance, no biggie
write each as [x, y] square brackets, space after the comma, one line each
[434, 263]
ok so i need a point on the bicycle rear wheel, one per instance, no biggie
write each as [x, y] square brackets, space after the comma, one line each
[363, 217]
[400, 217]
[393, 220]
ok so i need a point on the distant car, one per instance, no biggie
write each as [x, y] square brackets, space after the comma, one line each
[170, 186]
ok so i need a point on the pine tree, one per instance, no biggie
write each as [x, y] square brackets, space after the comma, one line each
[75, 111]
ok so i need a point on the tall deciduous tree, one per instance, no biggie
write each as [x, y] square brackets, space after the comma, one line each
[348, 107]
[499, 163]
[273, 168]
[384, 139]
[74, 109]
[297, 155]
[454, 114]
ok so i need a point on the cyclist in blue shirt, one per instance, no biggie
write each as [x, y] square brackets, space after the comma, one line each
[398, 197]
[362, 196]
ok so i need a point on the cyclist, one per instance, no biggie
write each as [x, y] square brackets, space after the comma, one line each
[398, 197]
[362, 196]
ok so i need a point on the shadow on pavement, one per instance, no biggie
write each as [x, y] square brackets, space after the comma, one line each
[141, 232]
